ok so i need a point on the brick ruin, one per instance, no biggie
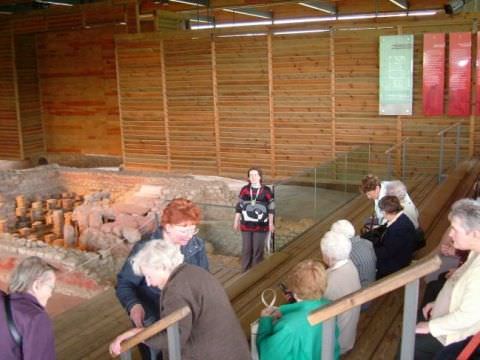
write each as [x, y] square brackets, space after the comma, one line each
[85, 221]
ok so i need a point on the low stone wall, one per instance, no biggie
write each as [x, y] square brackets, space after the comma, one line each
[80, 273]
[122, 184]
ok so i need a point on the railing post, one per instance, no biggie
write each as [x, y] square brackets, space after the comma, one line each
[409, 320]
[404, 159]
[440, 161]
[389, 166]
[328, 339]
[315, 193]
[173, 335]
[345, 177]
[126, 355]
[457, 145]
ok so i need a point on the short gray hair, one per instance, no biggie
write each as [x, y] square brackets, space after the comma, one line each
[335, 246]
[157, 254]
[27, 272]
[343, 227]
[396, 188]
[468, 212]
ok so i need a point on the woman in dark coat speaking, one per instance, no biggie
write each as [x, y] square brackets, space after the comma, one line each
[395, 250]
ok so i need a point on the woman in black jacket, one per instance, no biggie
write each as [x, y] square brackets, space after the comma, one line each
[395, 250]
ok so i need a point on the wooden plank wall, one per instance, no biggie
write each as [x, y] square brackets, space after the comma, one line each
[282, 102]
[29, 96]
[142, 109]
[243, 104]
[188, 74]
[302, 102]
[11, 148]
[79, 91]
[76, 84]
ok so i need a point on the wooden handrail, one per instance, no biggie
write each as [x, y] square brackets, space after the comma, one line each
[443, 131]
[386, 285]
[391, 148]
[155, 328]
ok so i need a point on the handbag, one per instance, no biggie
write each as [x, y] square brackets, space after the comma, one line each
[375, 235]
[254, 325]
[12, 328]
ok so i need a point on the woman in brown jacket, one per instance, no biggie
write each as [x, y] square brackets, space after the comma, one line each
[211, 330]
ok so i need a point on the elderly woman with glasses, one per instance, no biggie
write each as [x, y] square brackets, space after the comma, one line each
[211, 330]
[179, 227]
[31, 286]
[454, 316]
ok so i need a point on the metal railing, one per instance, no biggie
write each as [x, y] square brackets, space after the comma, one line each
[441, 133]
[388, 152]
[318, 191]
[170, 323]
[408, 278]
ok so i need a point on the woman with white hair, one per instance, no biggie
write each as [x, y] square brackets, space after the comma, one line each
[342, 279]
[211, 330]
[398, 189]
[454, 315]
[362, 254]
[26, 331]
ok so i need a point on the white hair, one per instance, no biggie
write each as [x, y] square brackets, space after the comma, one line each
[343, 227]
[396, 188]
[27, 272]
[159, 255]
[468, 212]
[336, 247]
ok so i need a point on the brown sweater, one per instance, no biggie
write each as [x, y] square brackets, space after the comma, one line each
[212, 330]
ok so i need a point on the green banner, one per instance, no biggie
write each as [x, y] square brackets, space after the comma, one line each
[396, 75]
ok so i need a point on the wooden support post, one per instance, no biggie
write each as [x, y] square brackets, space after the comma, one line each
[40, 92]
[270, 105]
[119, 101]
[17, 98]
[473, 102]
[216, 118]
[399, 132]
[332, 91]
[165, 106]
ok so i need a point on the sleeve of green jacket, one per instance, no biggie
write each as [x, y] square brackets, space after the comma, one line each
[272, 344]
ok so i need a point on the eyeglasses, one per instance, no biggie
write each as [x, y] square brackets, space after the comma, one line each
[186, 230]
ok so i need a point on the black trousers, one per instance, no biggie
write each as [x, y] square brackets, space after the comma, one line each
[426, 347]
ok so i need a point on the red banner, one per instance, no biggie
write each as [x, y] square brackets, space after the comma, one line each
[477, 107]
[460, 72]
[433, 73]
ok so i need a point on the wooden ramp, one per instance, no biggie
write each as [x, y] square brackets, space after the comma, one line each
[85, 331]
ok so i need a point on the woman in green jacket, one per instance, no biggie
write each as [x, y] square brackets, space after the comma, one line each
[285, 333]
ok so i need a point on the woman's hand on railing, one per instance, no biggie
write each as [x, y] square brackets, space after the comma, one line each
[137, 315]
[115, 346]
